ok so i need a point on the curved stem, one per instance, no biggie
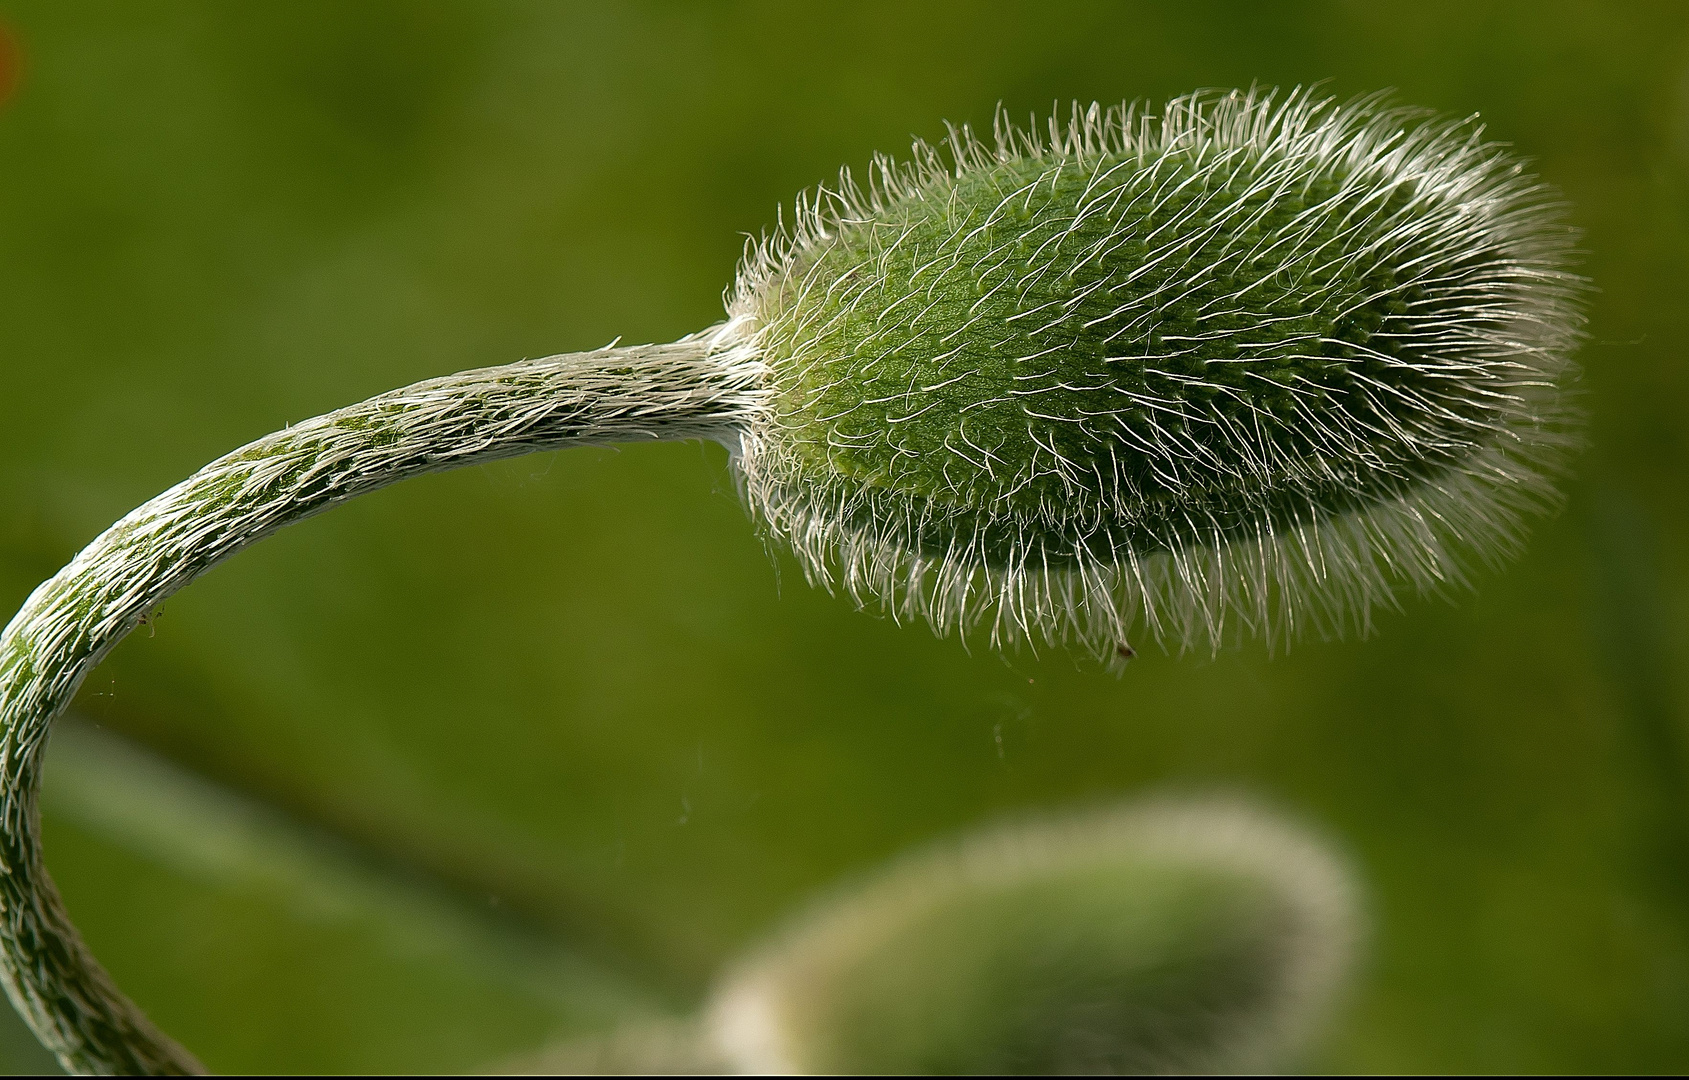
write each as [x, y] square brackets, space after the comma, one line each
[700, 387]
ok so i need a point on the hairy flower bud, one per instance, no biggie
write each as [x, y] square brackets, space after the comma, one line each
[1241, 361]
[1203, 936]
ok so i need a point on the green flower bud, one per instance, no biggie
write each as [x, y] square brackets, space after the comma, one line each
[1242, 362]
[1204, 937]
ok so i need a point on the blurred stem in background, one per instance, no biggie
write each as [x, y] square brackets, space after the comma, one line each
[1159, 937]
[227, 842]
[221, 838]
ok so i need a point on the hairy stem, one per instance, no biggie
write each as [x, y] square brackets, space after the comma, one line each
[701, 387]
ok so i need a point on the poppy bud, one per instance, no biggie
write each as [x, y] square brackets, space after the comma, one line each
[1245, 363]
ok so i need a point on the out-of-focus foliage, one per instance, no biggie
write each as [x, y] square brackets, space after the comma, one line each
[576, 691]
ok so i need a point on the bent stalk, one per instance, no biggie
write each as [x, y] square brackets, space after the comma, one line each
[702, 387]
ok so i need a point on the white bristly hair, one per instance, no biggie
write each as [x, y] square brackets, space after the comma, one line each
[1501, 319]
[702, 387]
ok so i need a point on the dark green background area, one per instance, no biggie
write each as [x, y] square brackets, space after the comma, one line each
[576, 692]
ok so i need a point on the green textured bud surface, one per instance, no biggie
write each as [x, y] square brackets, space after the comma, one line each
[1242, 356]
[1168, 939]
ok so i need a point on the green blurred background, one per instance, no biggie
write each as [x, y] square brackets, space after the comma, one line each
[561, 732]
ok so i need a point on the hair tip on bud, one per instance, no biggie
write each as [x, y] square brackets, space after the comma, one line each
[1246, 366]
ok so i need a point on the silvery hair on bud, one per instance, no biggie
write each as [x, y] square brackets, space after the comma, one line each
[1242, 365]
